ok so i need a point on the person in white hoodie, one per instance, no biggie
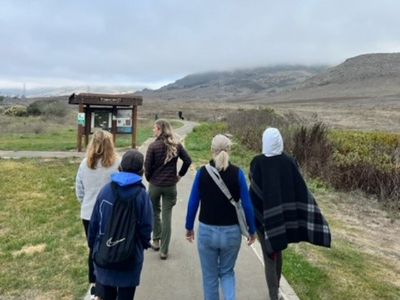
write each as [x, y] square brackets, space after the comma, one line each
[93, 173]
[285, 210]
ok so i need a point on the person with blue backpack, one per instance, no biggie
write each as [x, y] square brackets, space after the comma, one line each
[121, 223]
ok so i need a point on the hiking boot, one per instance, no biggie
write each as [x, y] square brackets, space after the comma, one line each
[155, 245]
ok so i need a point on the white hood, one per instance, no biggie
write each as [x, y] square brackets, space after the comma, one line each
[272, 142]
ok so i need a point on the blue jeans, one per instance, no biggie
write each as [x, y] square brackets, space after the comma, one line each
[218, 248]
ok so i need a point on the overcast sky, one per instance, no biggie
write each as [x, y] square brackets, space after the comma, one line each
[151, 43]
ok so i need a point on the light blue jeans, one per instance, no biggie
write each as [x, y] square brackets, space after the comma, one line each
[218, 248]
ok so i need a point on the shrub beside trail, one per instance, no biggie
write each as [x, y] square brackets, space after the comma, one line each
[346, 160]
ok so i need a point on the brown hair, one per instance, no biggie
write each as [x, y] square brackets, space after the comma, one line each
[169, 139]
[101, 147]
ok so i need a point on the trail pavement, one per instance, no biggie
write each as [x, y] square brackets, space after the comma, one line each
[179, 277]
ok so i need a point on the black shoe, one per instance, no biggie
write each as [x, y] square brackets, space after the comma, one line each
[92, 292]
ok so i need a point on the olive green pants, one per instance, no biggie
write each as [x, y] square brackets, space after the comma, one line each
[163, 199]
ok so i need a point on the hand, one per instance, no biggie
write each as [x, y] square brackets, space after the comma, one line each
[251, 239]
[178, 178]
[190, 235]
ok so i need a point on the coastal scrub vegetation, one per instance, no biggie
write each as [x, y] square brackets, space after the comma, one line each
[346, 160]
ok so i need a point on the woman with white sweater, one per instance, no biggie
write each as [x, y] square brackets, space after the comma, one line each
[94, 172]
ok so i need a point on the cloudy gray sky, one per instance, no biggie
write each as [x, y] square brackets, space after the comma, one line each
[149, 43]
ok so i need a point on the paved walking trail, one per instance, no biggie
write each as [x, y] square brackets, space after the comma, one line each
[179, 277]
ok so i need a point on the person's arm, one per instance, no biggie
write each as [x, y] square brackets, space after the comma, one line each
[93, 230]
[149, 162]
[193, 203]
[246, 202]
[146, 220]
[186, 160]
[79, 188]
[247, 207]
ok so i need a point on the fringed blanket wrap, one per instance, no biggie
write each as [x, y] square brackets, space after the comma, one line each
[284, 207]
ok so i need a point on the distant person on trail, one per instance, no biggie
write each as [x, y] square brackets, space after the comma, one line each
[286, 211]
[94, 171]
[180, 114]
[219, 235]
[114, 283]
[161, 173]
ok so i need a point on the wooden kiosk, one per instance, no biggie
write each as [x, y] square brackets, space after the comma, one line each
[114, 113]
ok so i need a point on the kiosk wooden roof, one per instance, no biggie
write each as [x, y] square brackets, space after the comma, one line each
[105, 99]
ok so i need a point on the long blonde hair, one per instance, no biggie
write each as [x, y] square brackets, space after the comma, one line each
[101, 147]
[220, 147]
[168, 137]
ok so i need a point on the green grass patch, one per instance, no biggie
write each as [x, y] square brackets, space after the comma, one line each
[341, 272]
[42, 242]
[65, 139]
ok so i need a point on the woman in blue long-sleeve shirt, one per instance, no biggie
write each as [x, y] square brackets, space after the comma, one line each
[219, 235]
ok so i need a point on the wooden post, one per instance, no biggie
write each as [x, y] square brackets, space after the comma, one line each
[114, 124]
[79, 137]
[88, 121]
[134, 125]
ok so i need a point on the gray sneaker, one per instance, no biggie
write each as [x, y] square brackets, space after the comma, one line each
[155, 245]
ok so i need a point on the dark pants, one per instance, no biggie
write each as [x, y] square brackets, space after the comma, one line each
[92, 277]
[114, 293]
[272, 268]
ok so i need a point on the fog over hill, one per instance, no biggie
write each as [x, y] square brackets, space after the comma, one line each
[363, 76]
[237, 84]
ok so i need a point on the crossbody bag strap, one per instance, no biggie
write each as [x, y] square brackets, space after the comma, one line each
[218, 180]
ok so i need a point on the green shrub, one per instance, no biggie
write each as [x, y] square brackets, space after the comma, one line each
[16, 111]
[52, 107]
[313, 150]
[249, 125]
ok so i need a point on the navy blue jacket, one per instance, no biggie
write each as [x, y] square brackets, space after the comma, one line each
[127, 183]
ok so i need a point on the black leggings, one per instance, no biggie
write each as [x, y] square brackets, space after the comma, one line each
[113, 292]
[92, 277]
[272, 268]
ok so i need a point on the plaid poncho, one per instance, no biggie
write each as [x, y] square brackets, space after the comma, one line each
[284, 207]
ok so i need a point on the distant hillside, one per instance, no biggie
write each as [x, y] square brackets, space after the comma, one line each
[364, 76]
[224, 86]
[377, 68]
